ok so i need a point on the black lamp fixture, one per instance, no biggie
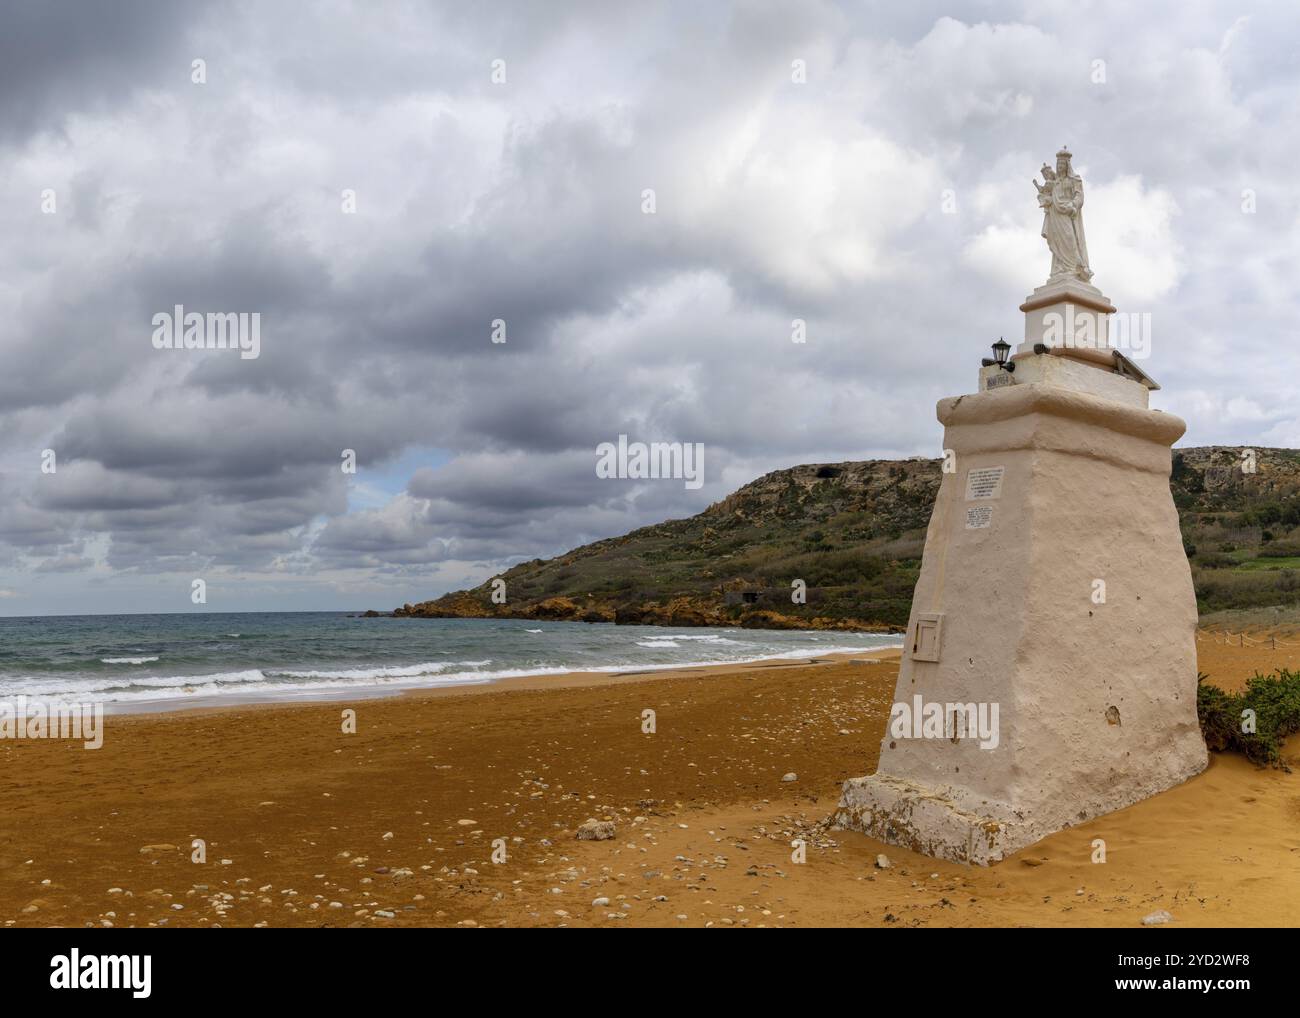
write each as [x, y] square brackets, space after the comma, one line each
[1000, 350]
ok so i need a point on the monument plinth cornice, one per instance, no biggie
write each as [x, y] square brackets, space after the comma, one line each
[1068, 292]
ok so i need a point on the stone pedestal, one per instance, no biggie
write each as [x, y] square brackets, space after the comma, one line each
[1064, 372]
[1054, 587]
[1067, 313]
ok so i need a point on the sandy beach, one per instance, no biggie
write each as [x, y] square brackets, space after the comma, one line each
[395, 825]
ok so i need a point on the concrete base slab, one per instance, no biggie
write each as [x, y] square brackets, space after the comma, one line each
[903, 813]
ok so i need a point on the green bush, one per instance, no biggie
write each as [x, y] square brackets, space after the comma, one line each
[1275, 699]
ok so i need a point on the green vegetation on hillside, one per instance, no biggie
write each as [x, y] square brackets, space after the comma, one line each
[854, 533]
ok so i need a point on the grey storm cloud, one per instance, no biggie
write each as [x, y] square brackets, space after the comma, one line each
[884, 202]
[516, 483]
[60, 57]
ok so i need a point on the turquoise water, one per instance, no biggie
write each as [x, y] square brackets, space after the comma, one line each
[138, 661]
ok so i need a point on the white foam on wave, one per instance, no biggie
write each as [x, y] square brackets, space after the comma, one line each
[387, 672]
[746, 660]
[278, 683]
[126, 660]
[240, 683]
[200, 687]
[152, 685]
[818, 652]
[702, 638]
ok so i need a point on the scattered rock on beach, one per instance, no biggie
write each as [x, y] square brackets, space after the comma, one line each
[1157, 918]
[596, 830]
[791, 776]
[882, 862]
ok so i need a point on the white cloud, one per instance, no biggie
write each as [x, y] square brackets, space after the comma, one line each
[776, 201]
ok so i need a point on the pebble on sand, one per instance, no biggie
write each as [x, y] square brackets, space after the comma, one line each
[596, 830]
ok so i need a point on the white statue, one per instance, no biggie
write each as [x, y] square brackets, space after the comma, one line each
[1061, 198]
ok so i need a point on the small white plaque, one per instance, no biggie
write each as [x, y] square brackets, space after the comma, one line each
[998, 381]
[985, 482]
[979, 517]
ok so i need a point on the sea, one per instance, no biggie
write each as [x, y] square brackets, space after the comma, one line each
[164, 662]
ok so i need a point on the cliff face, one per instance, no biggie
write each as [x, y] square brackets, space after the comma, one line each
[1214, 478]
[852, 534]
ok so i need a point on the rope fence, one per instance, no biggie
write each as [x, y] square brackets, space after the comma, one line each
[1228, 639]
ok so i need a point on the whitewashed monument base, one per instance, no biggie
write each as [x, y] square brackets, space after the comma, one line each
[1095, 685]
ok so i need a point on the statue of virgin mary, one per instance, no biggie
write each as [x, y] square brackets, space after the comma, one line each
[1061, 199]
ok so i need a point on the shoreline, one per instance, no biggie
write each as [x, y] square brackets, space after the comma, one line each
[532, 681]
[1216, 653]
[1231, 661]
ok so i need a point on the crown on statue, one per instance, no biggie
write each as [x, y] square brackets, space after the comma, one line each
[1064, 153]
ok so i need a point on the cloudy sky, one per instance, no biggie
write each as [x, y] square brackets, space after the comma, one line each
[886, 200]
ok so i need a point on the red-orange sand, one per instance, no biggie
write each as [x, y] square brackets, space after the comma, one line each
[395, 825]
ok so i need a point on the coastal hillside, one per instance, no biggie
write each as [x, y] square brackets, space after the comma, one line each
[853, 534]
